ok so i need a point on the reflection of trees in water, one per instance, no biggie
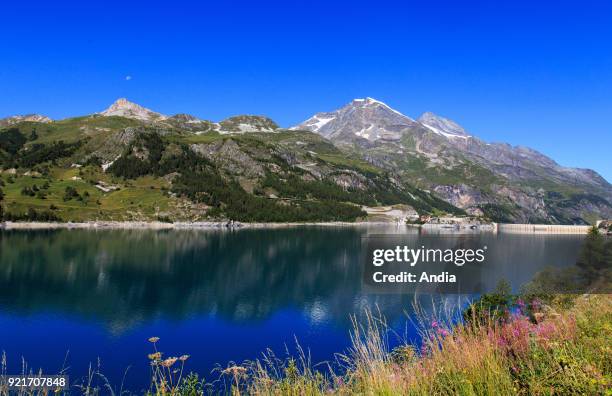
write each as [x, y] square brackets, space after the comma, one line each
[126, 276]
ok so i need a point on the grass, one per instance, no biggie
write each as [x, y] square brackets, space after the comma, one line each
[204, 138]
[557, 348]
[69, 130]
[140, 199]
[561, 353]
[354, 163]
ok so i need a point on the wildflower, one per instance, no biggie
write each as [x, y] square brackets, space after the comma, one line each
[153, 339]
[155, 356]
[434, 324]
[521, 305]
[169, 362]
[183, 358]
[234, 370]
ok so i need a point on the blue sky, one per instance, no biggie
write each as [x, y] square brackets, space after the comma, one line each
[532, 73]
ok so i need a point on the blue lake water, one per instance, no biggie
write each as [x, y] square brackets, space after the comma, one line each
[71, 298]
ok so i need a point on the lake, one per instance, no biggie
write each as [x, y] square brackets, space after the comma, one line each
[69, 298]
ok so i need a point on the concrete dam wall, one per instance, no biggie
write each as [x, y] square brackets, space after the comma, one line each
[543, 228]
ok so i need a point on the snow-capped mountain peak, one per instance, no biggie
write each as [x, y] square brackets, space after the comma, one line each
[371, 119]
[124, 108]
[364, 118]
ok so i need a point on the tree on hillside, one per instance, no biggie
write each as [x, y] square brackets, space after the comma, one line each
[608, 255]
[593, 257]
[1, 208]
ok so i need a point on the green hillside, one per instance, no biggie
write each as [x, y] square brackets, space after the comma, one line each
[116, 168]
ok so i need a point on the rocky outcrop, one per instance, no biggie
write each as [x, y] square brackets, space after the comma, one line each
[12, 120]
[228, 155]
[461, 195]
[124, 108]
[349, 179]
[247, 123]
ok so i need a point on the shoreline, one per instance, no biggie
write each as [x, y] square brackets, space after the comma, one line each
[158, 225]
[219, 225]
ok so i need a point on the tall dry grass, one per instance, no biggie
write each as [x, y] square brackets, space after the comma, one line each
[545, 352]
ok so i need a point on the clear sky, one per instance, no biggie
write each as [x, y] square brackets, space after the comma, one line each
[534, 73]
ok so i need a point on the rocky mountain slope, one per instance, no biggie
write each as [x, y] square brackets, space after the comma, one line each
[504, 182]
[22, 118]
[124, 108]
[237, 124]
[131, 163]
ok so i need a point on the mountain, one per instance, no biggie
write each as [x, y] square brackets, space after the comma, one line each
[247, 123]
[236, 124]
[501, 181]
[131, 163]
[362, 119]
[124, 108]
[23, 118]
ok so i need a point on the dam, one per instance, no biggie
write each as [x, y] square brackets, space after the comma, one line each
[542, 228]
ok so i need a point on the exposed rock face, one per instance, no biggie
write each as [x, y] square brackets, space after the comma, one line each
[229, 156]
[124, 108]
[350, 180]
[184, 118]
[461, 195]
[247, 123]
[191, 123]
[464, 170]
[8, 121]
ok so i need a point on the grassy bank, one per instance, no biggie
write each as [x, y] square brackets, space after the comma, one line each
[535, 348]
[555, 347]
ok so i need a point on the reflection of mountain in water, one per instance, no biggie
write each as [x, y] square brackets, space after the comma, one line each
[122, 277]
[135, 275]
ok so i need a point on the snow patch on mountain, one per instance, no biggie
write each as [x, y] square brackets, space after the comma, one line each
[445, 134]
[373, 102]
[322, 121]
[442, 126]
